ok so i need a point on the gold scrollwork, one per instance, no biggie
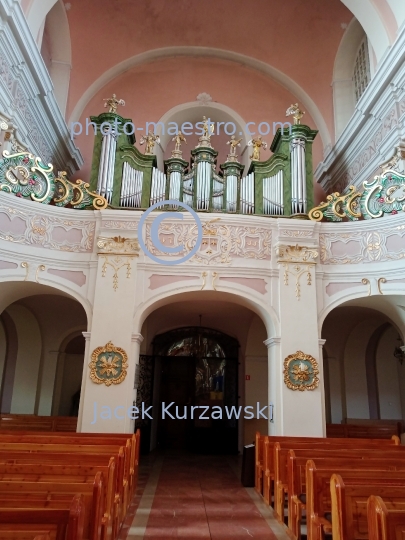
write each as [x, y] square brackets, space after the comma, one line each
[116, 264]
[301, 372]
[214, 278]
[108, 365]
[381, 280]
[204, 278]
[40, 268]
[366, 281]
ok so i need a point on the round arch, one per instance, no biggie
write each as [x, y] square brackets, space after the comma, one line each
[343, 90]
[35, 13]
[12, 290]
[374, 26]
[388, 304]
[193, 111]
[266, 315]
[257, 65]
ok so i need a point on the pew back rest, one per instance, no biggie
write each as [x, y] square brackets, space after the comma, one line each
[349, 503]
[386, 521]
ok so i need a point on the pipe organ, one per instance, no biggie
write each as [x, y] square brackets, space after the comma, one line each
[158, 190]
[273, 196]
[298, 177]
[105, 183]
[279, 186]
[131, 187]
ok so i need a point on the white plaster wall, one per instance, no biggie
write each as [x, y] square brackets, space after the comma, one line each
[335, 390]
[28, 360]
[401, 380]
[355, 372]
[387, 375]
[3, 349]
[256, 389]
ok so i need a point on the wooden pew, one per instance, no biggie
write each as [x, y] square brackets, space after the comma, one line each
[362, 431]
[44, 472]
[65, 524]
[31, 422]
[386, 521]
[36, 493]
[318, 495]
[349, 502]
[259, 441]
[268, 464]
[297, 483]
[84, 449]
[310, 450]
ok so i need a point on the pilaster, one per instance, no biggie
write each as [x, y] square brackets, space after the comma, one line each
[113, 350]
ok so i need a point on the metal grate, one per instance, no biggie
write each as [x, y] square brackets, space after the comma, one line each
[361, 75]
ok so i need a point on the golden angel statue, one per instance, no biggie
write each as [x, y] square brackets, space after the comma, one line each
[112, 103]
[296, 113]
[149, 140]
[257, 144]
[178, 139]
[233, 144]
[208, 128]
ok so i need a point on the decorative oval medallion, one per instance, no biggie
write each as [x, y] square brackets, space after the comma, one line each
[108, 365]
[300, 372]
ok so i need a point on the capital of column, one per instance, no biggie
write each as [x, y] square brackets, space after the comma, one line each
[86, 335]
[137, 338]
[321, 342]
[270, 342]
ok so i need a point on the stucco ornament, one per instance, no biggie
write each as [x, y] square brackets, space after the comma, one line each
[108, 365]
[301, 372]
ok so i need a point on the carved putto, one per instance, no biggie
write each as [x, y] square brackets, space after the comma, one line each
[296, 113]
[149, 141]
[112, 103]
[257, 145]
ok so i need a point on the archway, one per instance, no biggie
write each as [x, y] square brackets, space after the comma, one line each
[56, 52]
[35, 321]
[364, 368]
[228, 327]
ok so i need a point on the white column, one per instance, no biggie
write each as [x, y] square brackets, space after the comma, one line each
[302, 410]
[274, 386]
[322, 383]
[85, 377]
[105, 408]
[134, 361]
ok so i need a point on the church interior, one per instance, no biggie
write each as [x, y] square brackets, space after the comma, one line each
[202, 255]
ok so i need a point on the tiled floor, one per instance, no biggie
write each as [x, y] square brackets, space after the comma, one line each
[197, 497]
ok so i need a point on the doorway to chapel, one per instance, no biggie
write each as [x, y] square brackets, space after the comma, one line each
[195, 369]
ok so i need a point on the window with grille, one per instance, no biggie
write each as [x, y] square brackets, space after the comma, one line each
[361, 76]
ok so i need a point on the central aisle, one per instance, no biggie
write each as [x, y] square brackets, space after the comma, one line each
[197, 497]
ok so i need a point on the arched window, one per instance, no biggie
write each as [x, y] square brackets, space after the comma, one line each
[361, 74]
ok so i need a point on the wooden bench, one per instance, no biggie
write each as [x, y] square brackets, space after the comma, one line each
[61, 524]
[349, 502]
[259, 441]
[386, 520]
[297, 483]
[31, 422]
[318, 494]
[363, 431]
[311, 450]
[43, 472]
[267, 474]
[82, 449]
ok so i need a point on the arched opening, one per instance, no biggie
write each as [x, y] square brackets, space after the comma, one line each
[226, 123]
[364, 368]
[68, 377]
[202, 353]
[349, 66]
[56, 52]
[39, 325]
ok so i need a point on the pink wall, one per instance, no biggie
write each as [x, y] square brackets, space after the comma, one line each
[300, 40]
[151, 90]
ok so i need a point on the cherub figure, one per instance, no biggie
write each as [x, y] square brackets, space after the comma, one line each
[295, 112]
[149, 140]
[257, 144]
[208, 128]
[233, 144]
[112, 103]
[178, 139]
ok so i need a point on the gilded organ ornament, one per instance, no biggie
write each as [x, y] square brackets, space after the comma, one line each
[108, 365]
[301, 372]
[149, 141]
[257, 145]
[296, 113]
[112, 103]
